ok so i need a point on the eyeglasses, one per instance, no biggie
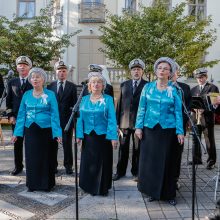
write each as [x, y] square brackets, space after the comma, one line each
[161, 68]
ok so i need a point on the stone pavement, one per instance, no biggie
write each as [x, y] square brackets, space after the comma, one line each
[124, 200]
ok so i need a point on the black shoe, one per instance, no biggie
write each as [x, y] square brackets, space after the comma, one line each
[151, 199]
[210, 165]
[69, 170]
[116, 177]
[172, 202]
[198, 162]
[16, 171]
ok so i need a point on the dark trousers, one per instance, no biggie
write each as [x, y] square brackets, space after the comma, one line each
[210, 143]
[123, 153]
[67, 149]
[18, 151]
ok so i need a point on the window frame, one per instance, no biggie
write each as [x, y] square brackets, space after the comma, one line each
[197, 6]
[26, 1]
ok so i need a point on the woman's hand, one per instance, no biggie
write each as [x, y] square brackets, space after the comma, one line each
[59, 140]
[12, 120]
[139, 133]
[13, 139]
[180, 138]
[78, 141]
[114, 144]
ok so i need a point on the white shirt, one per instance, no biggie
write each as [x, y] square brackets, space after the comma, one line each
[58, 84]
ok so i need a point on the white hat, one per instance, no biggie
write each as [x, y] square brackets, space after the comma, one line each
[136, 63]
[23, 60]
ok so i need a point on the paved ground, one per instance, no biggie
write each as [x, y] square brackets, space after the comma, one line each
[123, 202]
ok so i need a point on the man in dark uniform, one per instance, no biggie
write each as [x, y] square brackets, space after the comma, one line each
[126, 116]
[66, 94]
[16, 88]
[108, 89]
[204, 115]
[1, 86]
[184, 90]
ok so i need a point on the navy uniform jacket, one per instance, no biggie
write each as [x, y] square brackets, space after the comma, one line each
[14, 96]
[195, 91]
[128, 104]
[1, 86]
[67, 101]
[187, 98]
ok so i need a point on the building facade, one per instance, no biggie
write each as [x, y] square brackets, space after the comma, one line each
[88, 15]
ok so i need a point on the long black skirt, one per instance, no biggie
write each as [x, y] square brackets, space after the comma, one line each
[39, 158]
[157, 165]
[96, 164]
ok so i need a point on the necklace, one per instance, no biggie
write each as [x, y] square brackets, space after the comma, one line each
[37, 94]
[162, 85]
[95, 98]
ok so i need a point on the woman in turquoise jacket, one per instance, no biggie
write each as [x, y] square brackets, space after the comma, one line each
[97, 127]
[159, 121]
[38, 121]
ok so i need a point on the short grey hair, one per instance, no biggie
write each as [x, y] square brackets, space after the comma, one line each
[38, 71]
[98, 75]
[168, 60]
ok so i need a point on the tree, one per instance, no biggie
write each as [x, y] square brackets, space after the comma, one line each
[155, 32]
[35, 39]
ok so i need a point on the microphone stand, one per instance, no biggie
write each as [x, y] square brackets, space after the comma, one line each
[195, 133]
[74, 115]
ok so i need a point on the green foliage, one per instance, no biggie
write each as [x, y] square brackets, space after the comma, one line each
[155, 32]
[34, 38]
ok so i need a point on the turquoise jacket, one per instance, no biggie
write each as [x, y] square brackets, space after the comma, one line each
[99, 116]
[43, 111]
[163, 107]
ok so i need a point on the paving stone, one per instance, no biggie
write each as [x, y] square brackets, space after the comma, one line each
[47, 198]
[130, 205]
[171, 214]
[90, 207]
[9, 212]
[12, 181]
[156, 215]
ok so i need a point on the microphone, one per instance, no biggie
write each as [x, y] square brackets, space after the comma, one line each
[9, 75]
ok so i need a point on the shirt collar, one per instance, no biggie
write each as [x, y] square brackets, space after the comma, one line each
[58, 82]
[23, 78]
[138, 82]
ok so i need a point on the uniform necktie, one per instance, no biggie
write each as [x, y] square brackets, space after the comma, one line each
[23, 84]
[135, 86]
[201, 88]
[60, 91]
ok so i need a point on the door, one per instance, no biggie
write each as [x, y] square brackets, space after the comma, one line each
[88, 53]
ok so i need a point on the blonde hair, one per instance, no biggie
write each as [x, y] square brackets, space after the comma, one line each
[92, 78]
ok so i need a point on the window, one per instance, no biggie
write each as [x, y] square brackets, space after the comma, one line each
[197, 8]
[26, 8]
[92, 1]
[130, 4]
[166, 3]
